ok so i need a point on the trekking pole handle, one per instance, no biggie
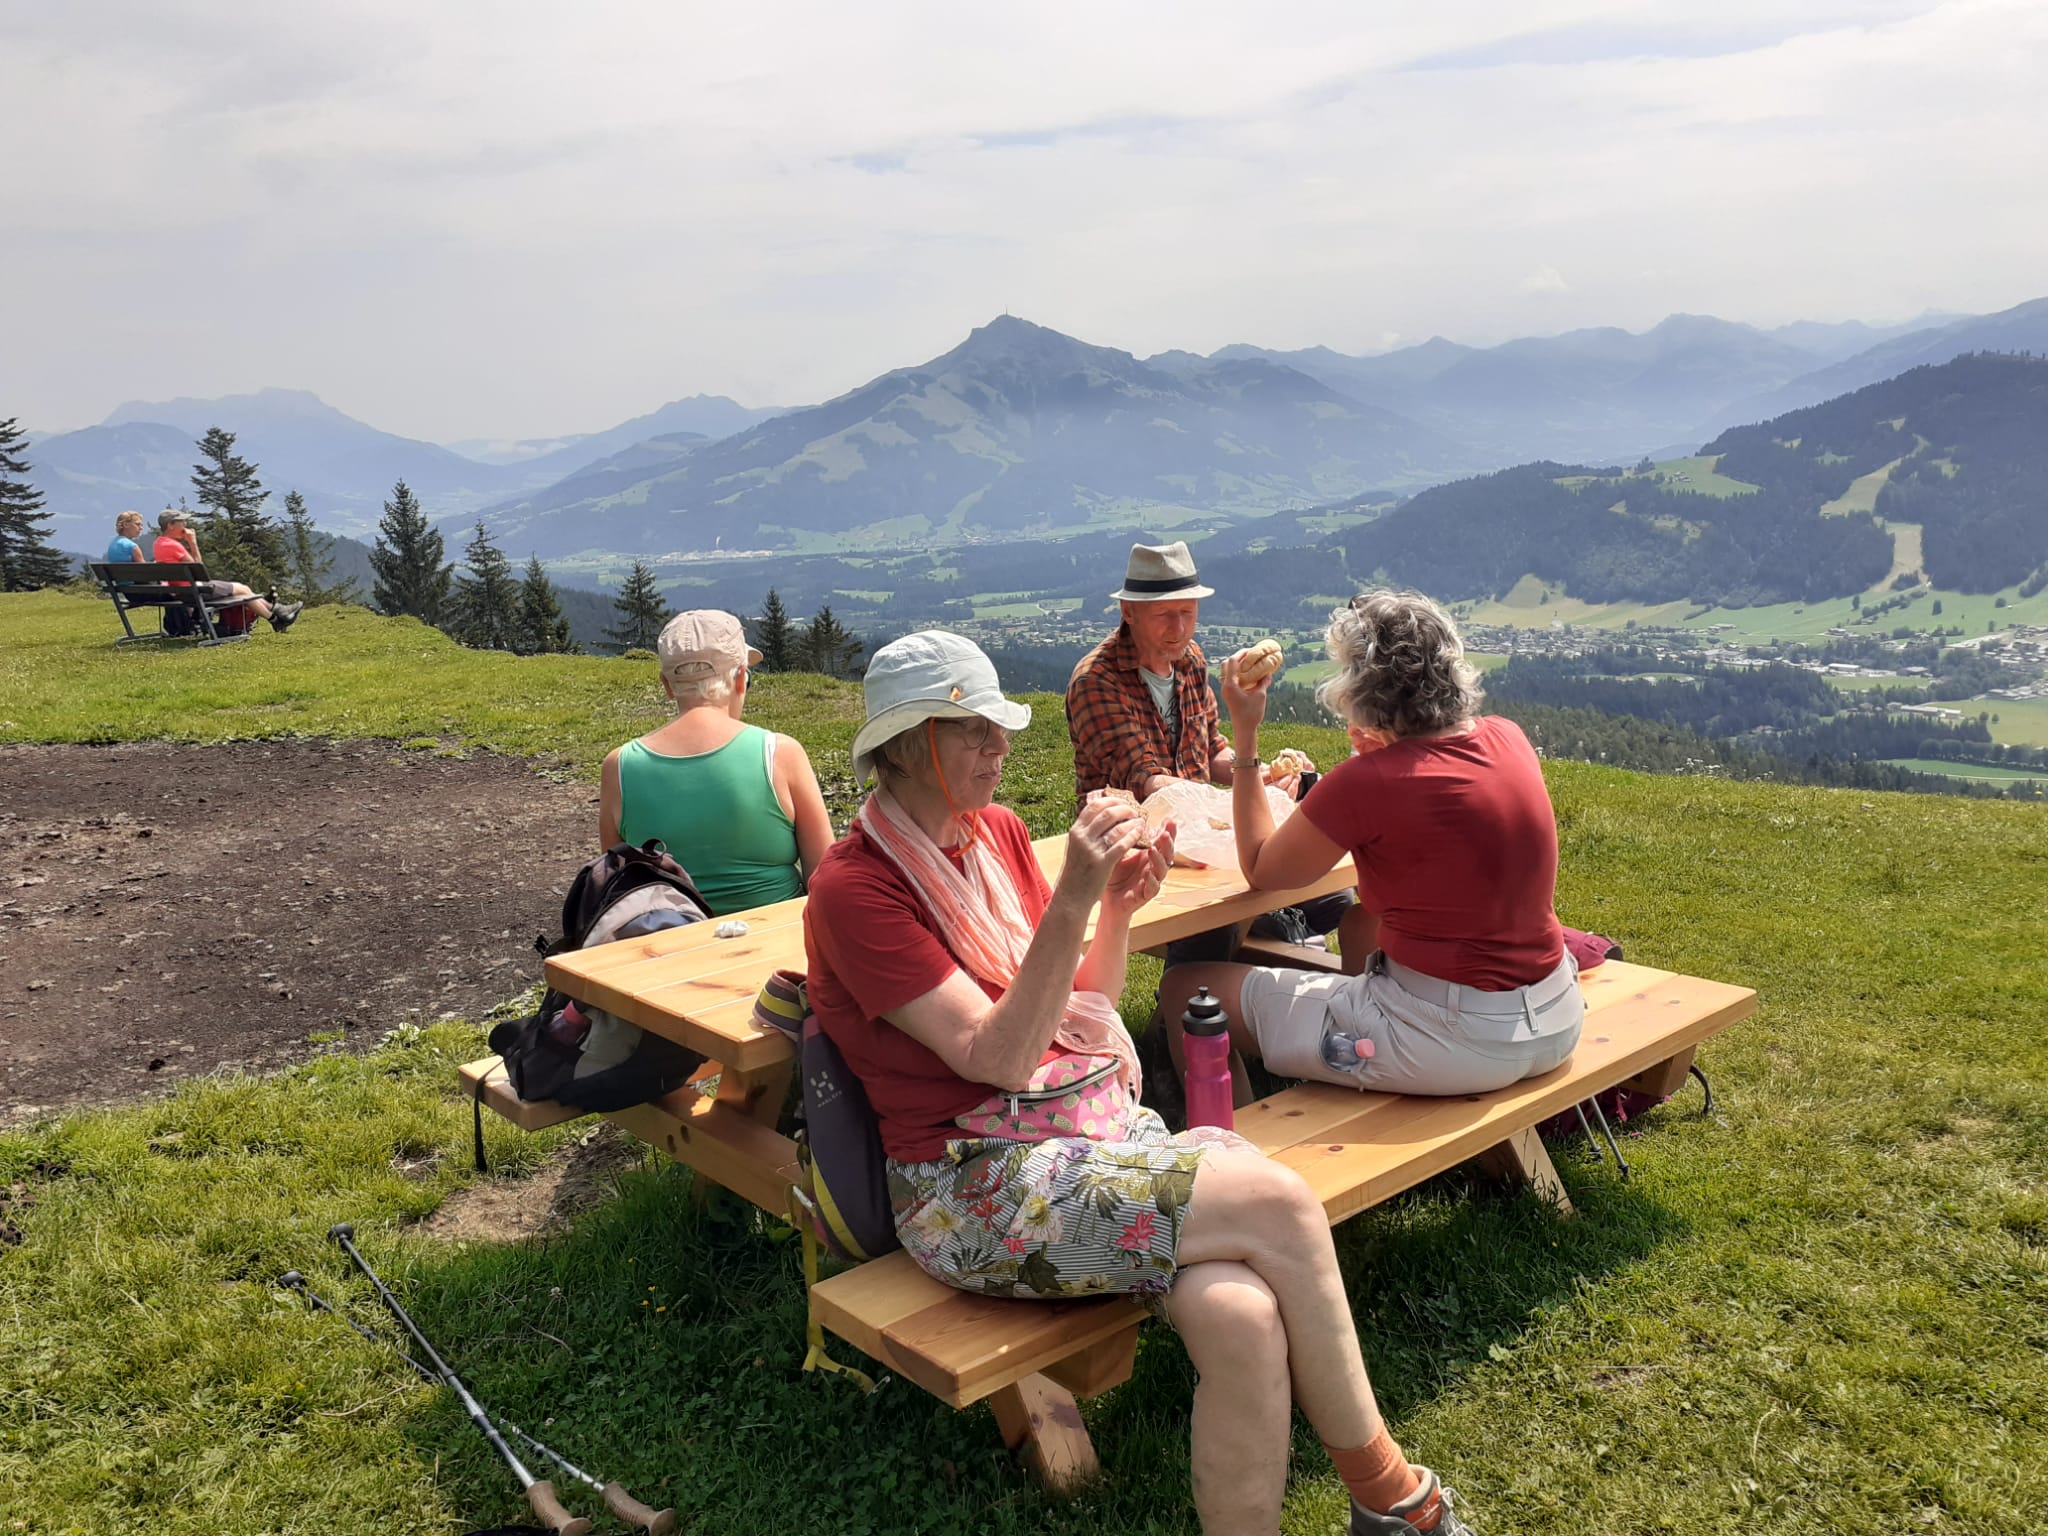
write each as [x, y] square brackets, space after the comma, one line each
[634, 1513]
[549, 1511]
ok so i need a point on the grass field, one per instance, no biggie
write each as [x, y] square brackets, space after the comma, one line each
[1701, 473]
[1825, 1310]
[1988, 772]
[1861, 495]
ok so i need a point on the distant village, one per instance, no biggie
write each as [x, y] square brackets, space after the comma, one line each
[2022, 647]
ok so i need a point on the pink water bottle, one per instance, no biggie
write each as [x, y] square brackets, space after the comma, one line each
[1205, 1041]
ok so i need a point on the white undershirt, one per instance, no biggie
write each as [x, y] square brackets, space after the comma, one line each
[1161, 689]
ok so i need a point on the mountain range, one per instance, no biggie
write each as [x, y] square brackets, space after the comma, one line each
[1018, 430]
[142, 455]
[1948, 462]
[1023, 431]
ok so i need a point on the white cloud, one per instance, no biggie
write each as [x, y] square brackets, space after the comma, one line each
[487, 219]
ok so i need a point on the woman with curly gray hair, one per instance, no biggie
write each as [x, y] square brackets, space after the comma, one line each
[1459, 981]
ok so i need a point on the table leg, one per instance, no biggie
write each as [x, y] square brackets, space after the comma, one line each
[1521, 1160]
[1042, 1422]
[757, 1094]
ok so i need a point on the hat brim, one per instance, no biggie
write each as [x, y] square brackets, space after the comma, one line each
[897, 719]
[1178, 595]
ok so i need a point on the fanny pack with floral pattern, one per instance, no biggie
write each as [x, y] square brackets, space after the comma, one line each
[1071, 1095]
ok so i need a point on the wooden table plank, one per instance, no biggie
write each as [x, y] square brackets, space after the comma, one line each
[692, 987]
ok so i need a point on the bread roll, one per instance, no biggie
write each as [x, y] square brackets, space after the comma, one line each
[1291, 760]
[1257, 663]
[1124, 796]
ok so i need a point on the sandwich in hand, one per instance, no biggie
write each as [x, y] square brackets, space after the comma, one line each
[1257, 663]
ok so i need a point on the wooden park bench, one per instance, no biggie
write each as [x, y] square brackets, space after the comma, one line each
[167, 588]
[1030, 1360]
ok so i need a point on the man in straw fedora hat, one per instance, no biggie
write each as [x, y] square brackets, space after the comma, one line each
[1141, 714]
[1139, 706]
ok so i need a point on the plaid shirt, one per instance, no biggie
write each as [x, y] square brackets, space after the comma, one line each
[1119, 739]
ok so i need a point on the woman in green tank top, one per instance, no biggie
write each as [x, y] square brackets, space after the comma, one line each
[737, 806]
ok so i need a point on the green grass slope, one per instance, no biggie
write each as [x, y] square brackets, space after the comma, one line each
[1824, 1310]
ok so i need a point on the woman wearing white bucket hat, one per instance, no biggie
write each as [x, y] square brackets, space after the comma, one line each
[964, 994]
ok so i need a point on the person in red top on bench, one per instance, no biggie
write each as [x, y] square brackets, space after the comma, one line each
[964, 994]
[177, 544]
[1446, 817]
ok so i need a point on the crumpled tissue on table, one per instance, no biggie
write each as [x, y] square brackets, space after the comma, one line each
[1205, 837]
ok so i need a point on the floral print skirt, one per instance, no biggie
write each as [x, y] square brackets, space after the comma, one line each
[1054, 1219]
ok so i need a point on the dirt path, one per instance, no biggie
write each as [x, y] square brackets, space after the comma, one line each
[165, 910]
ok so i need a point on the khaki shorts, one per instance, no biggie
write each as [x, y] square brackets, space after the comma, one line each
[1465, 1041]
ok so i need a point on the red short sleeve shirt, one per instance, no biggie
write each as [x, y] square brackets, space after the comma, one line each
[873, 946]
[1456, 847]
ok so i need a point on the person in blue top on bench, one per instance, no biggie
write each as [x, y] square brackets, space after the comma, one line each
[127, 546]
[737, 806]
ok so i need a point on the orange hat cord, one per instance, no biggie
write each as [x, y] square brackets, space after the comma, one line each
[971, 820]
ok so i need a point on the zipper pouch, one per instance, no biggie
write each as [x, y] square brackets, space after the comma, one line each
[1070, 1095]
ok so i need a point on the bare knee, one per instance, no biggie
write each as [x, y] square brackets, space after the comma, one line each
[1228, 1317]
[1252, 1208]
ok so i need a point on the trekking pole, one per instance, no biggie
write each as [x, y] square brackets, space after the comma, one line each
[656, 1522]
[540, 1493]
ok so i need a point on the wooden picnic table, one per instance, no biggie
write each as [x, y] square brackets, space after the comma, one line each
[697, 989]
[1031, 1359]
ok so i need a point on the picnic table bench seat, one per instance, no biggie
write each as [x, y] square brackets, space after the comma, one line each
[1031, 1359]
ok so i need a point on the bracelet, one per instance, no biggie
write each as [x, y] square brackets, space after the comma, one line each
[1238, 765]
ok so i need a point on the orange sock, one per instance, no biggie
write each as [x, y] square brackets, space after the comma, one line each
[1379, 1477]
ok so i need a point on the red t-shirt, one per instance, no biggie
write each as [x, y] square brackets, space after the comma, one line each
[873, 946]
[1456, 847]
[171, 551]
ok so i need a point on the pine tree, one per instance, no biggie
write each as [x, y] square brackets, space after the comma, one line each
[312, 558]
[543, 628]
[27, 559]
[485, 613]
[778, 638]
[411, 577]
[827, 647]
[641, 611]
[237, 539]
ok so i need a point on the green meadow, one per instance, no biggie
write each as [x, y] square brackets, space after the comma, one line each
[1823, 1309]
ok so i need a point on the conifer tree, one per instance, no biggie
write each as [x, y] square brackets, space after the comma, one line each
[312, 559]
[778, 636]
[827, 646]
[28, 561]
[410, 575]
[486, 607]
[238, 540]
[543, 628]
[642, 613]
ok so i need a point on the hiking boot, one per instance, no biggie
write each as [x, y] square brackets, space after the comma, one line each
[282, 615]
[1367, 1522]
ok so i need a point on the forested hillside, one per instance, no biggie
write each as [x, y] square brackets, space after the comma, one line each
[1970, 441]
[1967, 448]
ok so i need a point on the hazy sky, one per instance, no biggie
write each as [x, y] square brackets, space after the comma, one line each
[496, 218]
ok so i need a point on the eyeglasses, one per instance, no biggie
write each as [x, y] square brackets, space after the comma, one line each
[978, 733]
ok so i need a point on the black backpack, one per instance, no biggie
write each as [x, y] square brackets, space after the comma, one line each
[585, 1057]
[845, 1190]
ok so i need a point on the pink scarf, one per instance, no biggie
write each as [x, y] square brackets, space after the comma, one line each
[983, 923]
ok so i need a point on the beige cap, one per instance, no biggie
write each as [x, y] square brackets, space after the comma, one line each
[703, 643]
